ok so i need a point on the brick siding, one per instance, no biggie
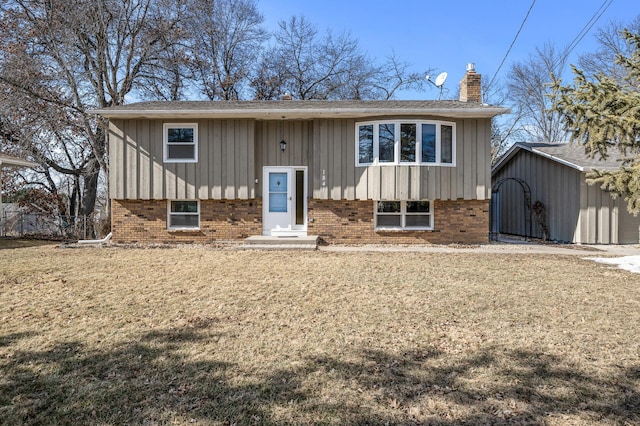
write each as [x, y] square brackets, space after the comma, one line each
[145, 221]
[352, 222]
[336, 222]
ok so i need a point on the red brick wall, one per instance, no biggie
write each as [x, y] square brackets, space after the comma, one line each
[352, 222]
[336, 222]
[145, 221]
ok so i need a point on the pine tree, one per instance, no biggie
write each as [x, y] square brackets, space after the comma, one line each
[604, 114]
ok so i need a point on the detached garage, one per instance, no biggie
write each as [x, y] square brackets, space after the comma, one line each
[540, 188]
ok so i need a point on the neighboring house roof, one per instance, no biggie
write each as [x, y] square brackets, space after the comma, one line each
[570, 154]
[291, 109]
[11, 161]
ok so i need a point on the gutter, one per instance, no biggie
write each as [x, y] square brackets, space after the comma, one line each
[302, 113]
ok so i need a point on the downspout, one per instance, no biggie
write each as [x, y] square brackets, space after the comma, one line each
[104, 240]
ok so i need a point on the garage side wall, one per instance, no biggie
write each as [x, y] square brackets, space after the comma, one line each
[557, 186]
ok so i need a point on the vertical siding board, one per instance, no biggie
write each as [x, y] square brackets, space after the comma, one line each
[131, 165]
[204, 141]
[461, 148]
[375, 183]
[158, 190]
[258, 159]
[388, 183]
[215, 159]
[362, 183]
[445, 183]
[470, 166]
[242, 159]
[349, 159]
[401, 182]
[117, 175]
[229, 160]
[317, 166]
[415, 179]
[336, 160]
[250, 160]
[483, 176]
[145, 169]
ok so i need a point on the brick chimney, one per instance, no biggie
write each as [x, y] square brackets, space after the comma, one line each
[470, 85]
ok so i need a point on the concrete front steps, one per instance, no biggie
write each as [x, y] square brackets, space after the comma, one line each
[263, 242]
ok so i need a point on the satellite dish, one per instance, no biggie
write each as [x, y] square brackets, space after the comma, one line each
[440, 79]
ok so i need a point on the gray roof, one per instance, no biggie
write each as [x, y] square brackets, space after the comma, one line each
[570, 154]
[299, 109]
[11, 161]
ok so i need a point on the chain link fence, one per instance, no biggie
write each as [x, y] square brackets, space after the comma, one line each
[36, 225]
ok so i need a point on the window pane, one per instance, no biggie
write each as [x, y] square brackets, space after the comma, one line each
[386, 139]
[446, 144]
[180, 135]
[181, 151]
[365, 144]
[277, 182]
[388, 206]
[408, 143]
[183, 221]
[278, 202]
[184, 207]
[420, 220]
[417, 207]
[428, 143]
[388, 221]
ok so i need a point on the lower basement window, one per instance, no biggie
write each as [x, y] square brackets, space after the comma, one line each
[400, 215]
[184, 215]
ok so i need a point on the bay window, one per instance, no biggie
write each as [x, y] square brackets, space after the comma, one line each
[413, 142]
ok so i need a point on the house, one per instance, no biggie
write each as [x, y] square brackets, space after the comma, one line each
[555, 175]
[346, 171]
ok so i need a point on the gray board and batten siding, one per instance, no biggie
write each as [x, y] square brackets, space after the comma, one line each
[232, 152]
[575, 211]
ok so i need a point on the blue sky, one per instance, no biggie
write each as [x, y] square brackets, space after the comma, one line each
[447, 34]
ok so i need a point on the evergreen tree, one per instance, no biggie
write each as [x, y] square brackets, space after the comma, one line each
[603, 113]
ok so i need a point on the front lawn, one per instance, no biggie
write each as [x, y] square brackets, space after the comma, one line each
[194, 335]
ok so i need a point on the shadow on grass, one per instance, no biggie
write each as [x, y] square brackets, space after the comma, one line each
[155, 381]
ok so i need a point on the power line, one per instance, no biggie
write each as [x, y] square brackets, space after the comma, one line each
[513, 42]
[584, 31]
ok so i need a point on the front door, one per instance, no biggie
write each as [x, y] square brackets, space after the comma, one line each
[284, 194]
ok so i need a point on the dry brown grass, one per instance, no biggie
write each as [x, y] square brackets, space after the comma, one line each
[196, 335]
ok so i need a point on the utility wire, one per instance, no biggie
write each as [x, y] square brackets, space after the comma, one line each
[584, 31]
[513, 42]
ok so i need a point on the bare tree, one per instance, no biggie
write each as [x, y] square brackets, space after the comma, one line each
[226, 38]
[329, 66]
[61, 58]
[529, 89]
[611, 46]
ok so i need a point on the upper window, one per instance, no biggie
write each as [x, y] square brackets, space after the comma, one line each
[184, 214]
[180, 143]
[405, 142]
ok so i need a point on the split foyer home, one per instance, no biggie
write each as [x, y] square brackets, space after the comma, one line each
[346, 171]
[556, 176]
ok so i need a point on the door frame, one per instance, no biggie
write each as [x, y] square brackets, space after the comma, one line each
[292, 229]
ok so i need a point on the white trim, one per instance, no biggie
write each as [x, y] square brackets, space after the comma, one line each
[403, 216]
[291, 229]
[397, 123]
[182, 228]
[165, 142]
